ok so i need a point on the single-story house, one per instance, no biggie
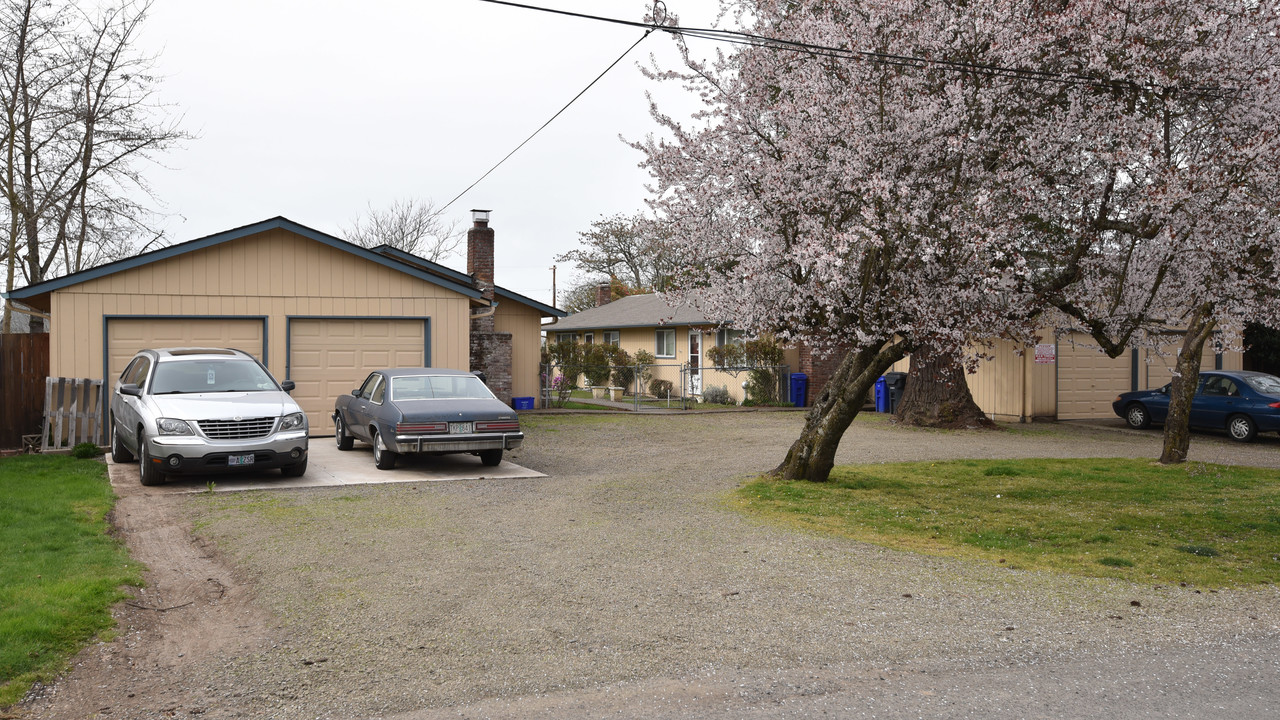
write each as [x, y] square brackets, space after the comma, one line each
[677, 337]
[314, 308]
[1064, 379]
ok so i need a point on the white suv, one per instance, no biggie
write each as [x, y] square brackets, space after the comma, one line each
[205, 410]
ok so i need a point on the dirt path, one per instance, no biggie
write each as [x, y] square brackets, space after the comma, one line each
[620, 586]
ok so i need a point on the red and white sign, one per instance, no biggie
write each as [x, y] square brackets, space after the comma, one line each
[1046, 354]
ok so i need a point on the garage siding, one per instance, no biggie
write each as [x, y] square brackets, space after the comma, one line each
[126, 336]
[331, 356]
[275, 274]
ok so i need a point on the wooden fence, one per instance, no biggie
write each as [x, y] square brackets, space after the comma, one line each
[74, 412]
[24, 365]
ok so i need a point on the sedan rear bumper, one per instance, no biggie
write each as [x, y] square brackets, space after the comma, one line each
[455, 443]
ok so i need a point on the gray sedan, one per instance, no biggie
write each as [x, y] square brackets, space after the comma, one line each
[426, 410]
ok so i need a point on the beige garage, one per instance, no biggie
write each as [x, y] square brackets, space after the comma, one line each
[331, 356]
[128, 335]
[1088, 380]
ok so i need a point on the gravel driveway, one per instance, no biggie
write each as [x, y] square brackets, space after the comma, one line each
[621, 585]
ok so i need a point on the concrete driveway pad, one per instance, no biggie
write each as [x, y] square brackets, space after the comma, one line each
[330, 467]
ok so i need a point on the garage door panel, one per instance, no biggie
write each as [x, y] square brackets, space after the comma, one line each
[1088, 380]
[126, 336]
[330, 357]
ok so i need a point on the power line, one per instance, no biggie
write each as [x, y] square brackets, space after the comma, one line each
[548, 122]
[736, 37]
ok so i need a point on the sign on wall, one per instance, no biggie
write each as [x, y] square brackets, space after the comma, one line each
[1046, 353]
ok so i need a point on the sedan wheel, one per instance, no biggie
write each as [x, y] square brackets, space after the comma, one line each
[1241, 428]
[1137, 417]
[344, 440]
[383, 458]
[491, 458]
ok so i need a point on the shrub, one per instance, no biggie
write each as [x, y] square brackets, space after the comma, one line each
[660, 388]
[86, 450]
[718, 394]
[596, 364]
[645, 360]
[762, 387]
[624, 373]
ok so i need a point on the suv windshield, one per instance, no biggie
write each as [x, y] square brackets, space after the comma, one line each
[1269, 384]
[207, 376]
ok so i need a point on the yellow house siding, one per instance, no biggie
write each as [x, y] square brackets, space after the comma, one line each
[524, 324]
[275, 274]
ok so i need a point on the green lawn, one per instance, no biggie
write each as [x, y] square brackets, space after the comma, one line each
[60, 572]
[1133, 519]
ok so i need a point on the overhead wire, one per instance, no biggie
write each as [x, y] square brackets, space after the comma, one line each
[737, 37]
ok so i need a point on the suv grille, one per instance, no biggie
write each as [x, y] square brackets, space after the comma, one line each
[237, 429]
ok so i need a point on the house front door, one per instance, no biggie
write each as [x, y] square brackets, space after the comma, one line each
[695, 362]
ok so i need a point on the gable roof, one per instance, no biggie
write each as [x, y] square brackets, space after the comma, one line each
[648, 310]
[462, 287]
[449, 273]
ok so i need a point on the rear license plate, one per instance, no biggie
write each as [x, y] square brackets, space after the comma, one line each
[234, 460]
[462, 428]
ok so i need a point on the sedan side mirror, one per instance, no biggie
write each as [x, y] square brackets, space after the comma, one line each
[288, 385]
[355, 393]
[131, 389]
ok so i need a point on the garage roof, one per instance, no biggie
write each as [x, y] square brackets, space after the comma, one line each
[38, 295]
[431, 267]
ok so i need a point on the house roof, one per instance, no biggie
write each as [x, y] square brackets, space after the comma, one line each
[449, 273]
[39, 292]
[648, 310]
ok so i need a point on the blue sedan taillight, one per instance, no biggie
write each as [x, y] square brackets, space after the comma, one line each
[422, 427]
[497, 425]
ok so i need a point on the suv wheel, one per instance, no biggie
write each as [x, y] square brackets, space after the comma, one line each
[149, 471]
[119, 453]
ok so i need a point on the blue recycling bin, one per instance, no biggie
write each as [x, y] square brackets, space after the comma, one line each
[522, 403]
[799, 389]
[882, 395]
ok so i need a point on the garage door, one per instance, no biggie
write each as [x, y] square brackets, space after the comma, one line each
[126, 336]
[1088, 380]
[329, 357]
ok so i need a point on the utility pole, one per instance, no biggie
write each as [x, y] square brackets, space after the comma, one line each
[553, 286]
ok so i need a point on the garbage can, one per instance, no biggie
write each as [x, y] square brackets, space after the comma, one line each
[799, 389]
[522, 403]
[882, 396]
[895, 385]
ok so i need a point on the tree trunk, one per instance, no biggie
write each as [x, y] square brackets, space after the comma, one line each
[1177, 426]
[813, 454]
[937, 394]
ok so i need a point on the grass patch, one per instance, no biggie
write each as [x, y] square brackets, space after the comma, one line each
[60, 572]
[1134, 519]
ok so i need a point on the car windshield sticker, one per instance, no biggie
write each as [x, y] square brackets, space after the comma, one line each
[210, 381]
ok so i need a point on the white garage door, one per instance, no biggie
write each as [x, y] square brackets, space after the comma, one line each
[126, 336]
[332, 356]
[1088, 380]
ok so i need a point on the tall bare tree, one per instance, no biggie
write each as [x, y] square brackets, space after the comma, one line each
[629, 248]
[80, 119]
[414, 226]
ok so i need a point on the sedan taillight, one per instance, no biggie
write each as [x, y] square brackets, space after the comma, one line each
[497, 425]
[421, 427]
[1275, 405]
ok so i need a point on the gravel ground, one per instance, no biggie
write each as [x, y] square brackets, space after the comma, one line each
[621, 585]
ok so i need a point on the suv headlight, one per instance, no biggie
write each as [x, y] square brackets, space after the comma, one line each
[170, 426]
[293, 421]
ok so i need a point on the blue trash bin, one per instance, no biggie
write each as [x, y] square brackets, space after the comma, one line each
[522, 403]
[799, 389]
[882, 395]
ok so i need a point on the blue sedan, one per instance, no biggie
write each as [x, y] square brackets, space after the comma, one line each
[1242, 403]
[426, 410]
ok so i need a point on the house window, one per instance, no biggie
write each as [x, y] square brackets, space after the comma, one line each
[612, 337]
[728, 337]
[665, 345]
[566, 337]
[589, 338]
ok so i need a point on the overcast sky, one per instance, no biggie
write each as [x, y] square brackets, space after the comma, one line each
[312, 109]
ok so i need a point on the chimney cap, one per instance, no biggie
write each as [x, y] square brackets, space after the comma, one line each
[480, 217]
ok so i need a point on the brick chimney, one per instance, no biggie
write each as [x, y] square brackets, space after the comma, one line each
[480, 264]
[604, 294]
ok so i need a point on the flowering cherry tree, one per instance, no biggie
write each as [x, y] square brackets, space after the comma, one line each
[925, 175]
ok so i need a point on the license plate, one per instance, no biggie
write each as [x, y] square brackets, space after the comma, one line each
[462, 428]
[234, 460]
